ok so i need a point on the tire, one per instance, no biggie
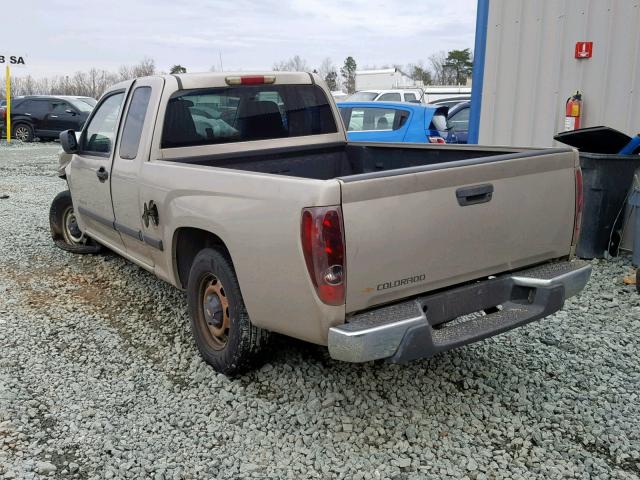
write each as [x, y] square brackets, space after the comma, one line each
[64, 228]
[23, 132]
[220, 324]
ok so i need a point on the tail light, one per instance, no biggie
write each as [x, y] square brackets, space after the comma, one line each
[323, 247]
[579, 204]
[4, 113]
[436, 140]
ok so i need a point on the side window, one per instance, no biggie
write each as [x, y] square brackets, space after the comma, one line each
[60, 108]
[345, 113]
[134, 122]
[37, 108]
[239, 114]
[410, 97]
[460, 120]
[100, 132]
[389, 97]
[367, 119]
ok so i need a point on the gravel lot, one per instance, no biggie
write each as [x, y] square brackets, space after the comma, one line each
[99, 379]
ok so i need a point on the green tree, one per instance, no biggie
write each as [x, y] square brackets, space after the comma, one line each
[178, 69]
[332, 80]
[348, 72]
[420, 74]
[460, 64]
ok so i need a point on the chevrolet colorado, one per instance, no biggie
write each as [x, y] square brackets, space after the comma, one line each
[242, 190]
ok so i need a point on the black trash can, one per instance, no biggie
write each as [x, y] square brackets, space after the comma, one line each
[606, 181]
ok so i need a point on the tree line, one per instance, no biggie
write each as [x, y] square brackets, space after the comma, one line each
[450, 68]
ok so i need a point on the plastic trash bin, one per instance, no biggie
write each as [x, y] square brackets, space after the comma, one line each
[606, 181]
[634, 203]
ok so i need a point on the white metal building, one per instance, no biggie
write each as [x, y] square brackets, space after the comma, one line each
[526, 68]
[384, 79]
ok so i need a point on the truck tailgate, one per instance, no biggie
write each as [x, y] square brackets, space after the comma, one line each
[418, 229]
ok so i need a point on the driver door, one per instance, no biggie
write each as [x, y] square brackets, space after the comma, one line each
[90, 171]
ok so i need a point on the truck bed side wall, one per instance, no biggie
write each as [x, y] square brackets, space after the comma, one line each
[258, 218]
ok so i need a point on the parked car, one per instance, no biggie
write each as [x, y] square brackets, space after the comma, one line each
[339, 96]
[451, 102]
[88, 100]
[46, 116]
[446, 93]
[414, 95]
[276, 223]
[393, 122]
[458, 122]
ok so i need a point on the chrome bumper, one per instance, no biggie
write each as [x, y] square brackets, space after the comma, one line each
[425, 326]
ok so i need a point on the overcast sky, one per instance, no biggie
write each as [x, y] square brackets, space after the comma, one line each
[63, 36]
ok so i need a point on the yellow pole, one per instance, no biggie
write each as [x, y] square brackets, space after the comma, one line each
[8, 123]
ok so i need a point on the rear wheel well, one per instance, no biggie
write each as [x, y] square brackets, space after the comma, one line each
[188, 243]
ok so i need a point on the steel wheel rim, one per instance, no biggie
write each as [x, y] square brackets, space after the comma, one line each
[214, 311]
[70, 229]
[21, 133]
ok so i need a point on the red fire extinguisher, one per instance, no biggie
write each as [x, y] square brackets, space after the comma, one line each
[573, 112]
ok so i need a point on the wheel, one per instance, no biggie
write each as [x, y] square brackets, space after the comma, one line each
[23, 132]
[64, 227]
[220, 324]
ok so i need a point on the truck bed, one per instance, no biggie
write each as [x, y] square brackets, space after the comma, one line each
[425, 217]
[325, 162]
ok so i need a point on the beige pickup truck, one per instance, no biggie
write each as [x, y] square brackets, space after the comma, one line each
[242, 190]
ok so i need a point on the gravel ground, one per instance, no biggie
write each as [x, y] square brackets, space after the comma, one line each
[99, 379]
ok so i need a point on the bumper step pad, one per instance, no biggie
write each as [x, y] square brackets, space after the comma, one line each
[430, 324]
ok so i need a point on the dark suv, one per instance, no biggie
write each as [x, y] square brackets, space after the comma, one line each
[45, 116]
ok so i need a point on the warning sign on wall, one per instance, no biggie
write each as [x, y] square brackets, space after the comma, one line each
[584, 49]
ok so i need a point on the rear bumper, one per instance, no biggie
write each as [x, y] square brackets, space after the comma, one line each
[427, 325]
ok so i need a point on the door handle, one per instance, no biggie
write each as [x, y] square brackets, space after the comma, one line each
[53, 116]
[474, 195]
[102, 174]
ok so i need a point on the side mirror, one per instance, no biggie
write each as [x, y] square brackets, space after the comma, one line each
[68, 141]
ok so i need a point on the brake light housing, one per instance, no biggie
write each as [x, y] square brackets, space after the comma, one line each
[436, 139]
[322, 235]
[250, 79]
[577, 221]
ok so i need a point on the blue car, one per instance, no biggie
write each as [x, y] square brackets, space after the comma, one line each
[395, 122]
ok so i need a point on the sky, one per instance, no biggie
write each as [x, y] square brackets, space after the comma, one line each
[70, 35]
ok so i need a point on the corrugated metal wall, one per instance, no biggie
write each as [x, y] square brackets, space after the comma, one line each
[530, 68]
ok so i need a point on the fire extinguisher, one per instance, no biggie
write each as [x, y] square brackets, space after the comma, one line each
[573, 112]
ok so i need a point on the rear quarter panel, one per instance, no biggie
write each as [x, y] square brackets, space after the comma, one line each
[258, 218]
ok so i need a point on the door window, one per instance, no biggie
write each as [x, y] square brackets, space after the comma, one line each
[410, 97]
[390, 97]
[460, 120]
[366, 119]
[134, 122]
[100, 132]
[60, 108]
[37, 108]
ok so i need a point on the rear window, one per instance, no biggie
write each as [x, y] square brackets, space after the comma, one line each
[239, 114]
[390, 97]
